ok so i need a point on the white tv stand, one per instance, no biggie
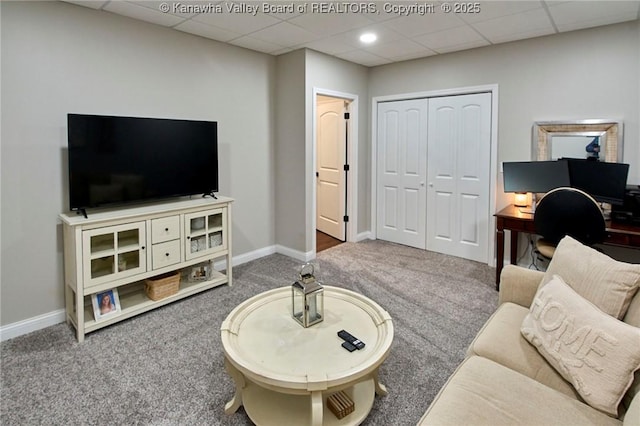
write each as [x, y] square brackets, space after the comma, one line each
[120, 248]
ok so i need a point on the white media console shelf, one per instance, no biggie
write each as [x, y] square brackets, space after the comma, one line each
[121, 248]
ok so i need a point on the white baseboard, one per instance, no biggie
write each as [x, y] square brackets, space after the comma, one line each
[246, 257]
[32, 324]
[56, 317]
[363, 236]
[296, 254]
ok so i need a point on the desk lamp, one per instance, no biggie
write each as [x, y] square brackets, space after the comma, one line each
[520, 199]
[535, 177]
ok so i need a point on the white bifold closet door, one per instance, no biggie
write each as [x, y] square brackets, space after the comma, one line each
[402, 172]
[433, 174]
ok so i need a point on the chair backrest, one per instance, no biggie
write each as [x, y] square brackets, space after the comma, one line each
[569, 211]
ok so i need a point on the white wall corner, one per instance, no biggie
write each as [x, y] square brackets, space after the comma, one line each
[296, 254]
[363, 236]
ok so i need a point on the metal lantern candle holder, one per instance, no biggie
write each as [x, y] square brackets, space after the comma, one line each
[307, 297]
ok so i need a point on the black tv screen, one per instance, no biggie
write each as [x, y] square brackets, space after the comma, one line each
[119, 160]
[605, 182]
[534, 176]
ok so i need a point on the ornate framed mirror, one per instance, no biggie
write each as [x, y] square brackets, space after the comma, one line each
[578, 139]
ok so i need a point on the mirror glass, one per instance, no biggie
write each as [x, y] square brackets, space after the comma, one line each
[578, 145]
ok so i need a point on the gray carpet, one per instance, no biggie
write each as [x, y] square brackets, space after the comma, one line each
[166, 367]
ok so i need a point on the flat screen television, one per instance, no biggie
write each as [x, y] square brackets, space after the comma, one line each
[121, 160]
[605, 182]
[534, 176]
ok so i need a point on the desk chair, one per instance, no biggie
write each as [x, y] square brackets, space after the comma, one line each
[567, 211]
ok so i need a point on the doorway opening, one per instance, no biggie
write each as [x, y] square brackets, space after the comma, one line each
[324, 241]
[332, 136]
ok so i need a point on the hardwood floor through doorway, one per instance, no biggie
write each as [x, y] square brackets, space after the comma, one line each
[324, 241]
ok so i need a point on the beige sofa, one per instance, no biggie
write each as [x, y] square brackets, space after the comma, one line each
[504, 380]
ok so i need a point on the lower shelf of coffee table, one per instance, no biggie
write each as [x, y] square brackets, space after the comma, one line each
[267, 407]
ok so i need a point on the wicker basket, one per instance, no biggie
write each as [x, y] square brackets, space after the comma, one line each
[162, 286]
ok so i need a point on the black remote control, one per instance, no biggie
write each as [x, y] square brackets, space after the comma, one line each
[348, 346]
[349, 338]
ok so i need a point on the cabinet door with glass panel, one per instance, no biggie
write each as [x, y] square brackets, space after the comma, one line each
[113, 252]
[205, 232]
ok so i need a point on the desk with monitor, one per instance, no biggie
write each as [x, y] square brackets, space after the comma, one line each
[604, 181]
[513, 220]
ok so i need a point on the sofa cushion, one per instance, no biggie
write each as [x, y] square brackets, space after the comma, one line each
[632, 417]
[597, 353]
[607, 283]
[482, 392]
[500, 340]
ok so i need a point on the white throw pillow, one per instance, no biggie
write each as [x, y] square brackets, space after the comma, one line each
[595, 352]
[607, 283]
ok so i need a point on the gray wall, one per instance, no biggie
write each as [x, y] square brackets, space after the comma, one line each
[290, 151]
[330, 73]
[59, 58]
[583, 74]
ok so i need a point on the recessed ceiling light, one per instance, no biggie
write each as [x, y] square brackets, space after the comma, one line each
[368, 37]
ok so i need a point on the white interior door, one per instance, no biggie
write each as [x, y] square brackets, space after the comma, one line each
[458, 175]
[401, 165]
[331, 159]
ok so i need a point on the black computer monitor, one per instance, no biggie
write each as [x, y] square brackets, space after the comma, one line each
[605, 182]
[535, 176]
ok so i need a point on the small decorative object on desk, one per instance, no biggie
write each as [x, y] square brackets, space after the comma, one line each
[162, 286]
[340, 404]
[307, 297]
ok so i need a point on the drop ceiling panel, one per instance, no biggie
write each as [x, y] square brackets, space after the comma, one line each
[415, 25]
[257, 44]
[330, 24]
[142, 13]
[285, 34]
[570, 16]
[335, 44]
[244, 23]
[459, 38]
[400, 49]
[497, 9]
[401, 36]
[364, 58]
[207, 31]
[532, 23]
[384, 34]
[173, 9]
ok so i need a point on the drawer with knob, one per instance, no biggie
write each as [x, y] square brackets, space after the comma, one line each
[165, 254]
[165, 229]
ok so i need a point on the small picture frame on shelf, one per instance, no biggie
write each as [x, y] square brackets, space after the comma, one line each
[105, 304]
[199, 272]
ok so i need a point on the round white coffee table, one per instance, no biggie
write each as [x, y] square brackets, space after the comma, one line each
[283, 373]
